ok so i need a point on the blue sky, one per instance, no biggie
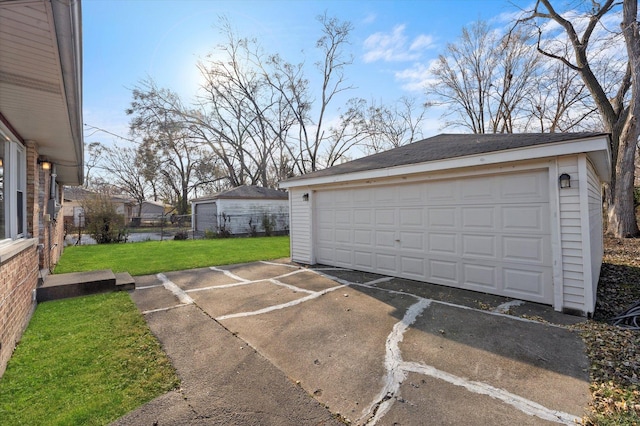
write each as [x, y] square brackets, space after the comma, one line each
[393, 42]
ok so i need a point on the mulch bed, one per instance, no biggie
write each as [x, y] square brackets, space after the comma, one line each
[615, 351]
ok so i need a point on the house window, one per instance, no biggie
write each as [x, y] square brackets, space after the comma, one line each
[13, 189]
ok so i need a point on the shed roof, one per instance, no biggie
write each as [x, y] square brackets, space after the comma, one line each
[448, 147]
[247, 192]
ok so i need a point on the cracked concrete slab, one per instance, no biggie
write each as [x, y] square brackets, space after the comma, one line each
[277, 344]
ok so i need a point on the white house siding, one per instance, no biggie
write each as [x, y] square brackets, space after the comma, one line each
[240, 212]
[301, 226]
[594, 191]
[571, 237]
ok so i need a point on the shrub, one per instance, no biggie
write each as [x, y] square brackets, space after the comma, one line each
[102, 221]
[181, 235]
[269, 224]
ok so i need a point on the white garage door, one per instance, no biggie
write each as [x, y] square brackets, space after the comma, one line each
[489, 233]
[206, 217]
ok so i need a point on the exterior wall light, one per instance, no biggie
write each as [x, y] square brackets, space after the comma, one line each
[565, 181]
[305, 197]
[46, 165]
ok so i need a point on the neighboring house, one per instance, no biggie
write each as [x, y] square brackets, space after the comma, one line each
[41, 148]
[151, 211]
[478, 212]
[242, 211]
[74, 198]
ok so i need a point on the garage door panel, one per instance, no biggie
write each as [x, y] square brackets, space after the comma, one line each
[478, 218]
[363, 259]
[386, 217]
[386, 263]
[343, 256]
[441, 243]
[489, 233]
[362, 217]
[411, 194]
[527, 284]
[343, 235]
[443, 270]
[441, 192]
[412, 266]
[443, 217]
[478, 190]
[411, 217]
[484, 277]
[385, 194]
[412, 241]
[525, 187]
[528, 218]
[479, 246]
[363, 236]
[524, 249]
[386, 239]
[342, 217]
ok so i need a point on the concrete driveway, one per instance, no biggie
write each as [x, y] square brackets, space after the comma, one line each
[274, 343]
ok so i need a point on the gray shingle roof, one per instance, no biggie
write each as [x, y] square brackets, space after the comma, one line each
[248, 192]
[446, 146]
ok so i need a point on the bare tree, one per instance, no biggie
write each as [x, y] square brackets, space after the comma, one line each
[126, 172]
[314, 145]
[94, 152]
[385, 127]
[168, 149]
[483, 80]
[617, 104]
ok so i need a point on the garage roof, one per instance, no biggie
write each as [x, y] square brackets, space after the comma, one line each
[447, 151]
[247, 192]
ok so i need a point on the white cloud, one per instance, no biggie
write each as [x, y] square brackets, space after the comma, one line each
[395, 46]
[416, 78]
[370, 18]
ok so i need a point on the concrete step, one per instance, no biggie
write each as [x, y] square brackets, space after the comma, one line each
[75, 284]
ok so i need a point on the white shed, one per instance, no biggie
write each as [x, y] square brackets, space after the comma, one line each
[242, 211]
[478, 212]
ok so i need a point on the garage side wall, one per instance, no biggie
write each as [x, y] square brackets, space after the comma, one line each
[240, 216]
[301, 225]
[571, 238]
[594, 191]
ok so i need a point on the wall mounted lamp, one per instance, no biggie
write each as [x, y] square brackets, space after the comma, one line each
[305, 197]
[46, 165]
[1, 163]
[565, 181]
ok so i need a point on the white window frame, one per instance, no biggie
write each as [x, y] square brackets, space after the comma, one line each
[15, 179]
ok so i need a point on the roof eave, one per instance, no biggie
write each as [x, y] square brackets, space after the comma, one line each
[597, 147]
[67, 18]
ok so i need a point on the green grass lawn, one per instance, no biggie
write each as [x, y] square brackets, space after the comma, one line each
[83, 361]
[152, 257]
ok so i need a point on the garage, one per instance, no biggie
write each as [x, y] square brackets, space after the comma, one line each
[479, 212]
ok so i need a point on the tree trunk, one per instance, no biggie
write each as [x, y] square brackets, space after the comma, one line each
[621, 211]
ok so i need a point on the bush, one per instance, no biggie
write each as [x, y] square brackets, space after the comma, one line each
[102, 221]
[181, 235]
[269, 224]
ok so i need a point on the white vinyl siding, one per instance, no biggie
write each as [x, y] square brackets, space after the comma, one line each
[241, 214]
[594, 191]
[300, 218]
[571, 237]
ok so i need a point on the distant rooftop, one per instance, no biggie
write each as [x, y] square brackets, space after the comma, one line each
[247, 192]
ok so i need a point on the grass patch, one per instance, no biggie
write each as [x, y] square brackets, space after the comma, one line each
[83, 361]
[152, 257]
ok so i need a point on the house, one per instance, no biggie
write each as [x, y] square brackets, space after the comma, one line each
[150, 211]
[517, 215]
[75, 197]
[41, 148]
[243, 210]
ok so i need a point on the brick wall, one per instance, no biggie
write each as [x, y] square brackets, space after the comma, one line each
[18, 280]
